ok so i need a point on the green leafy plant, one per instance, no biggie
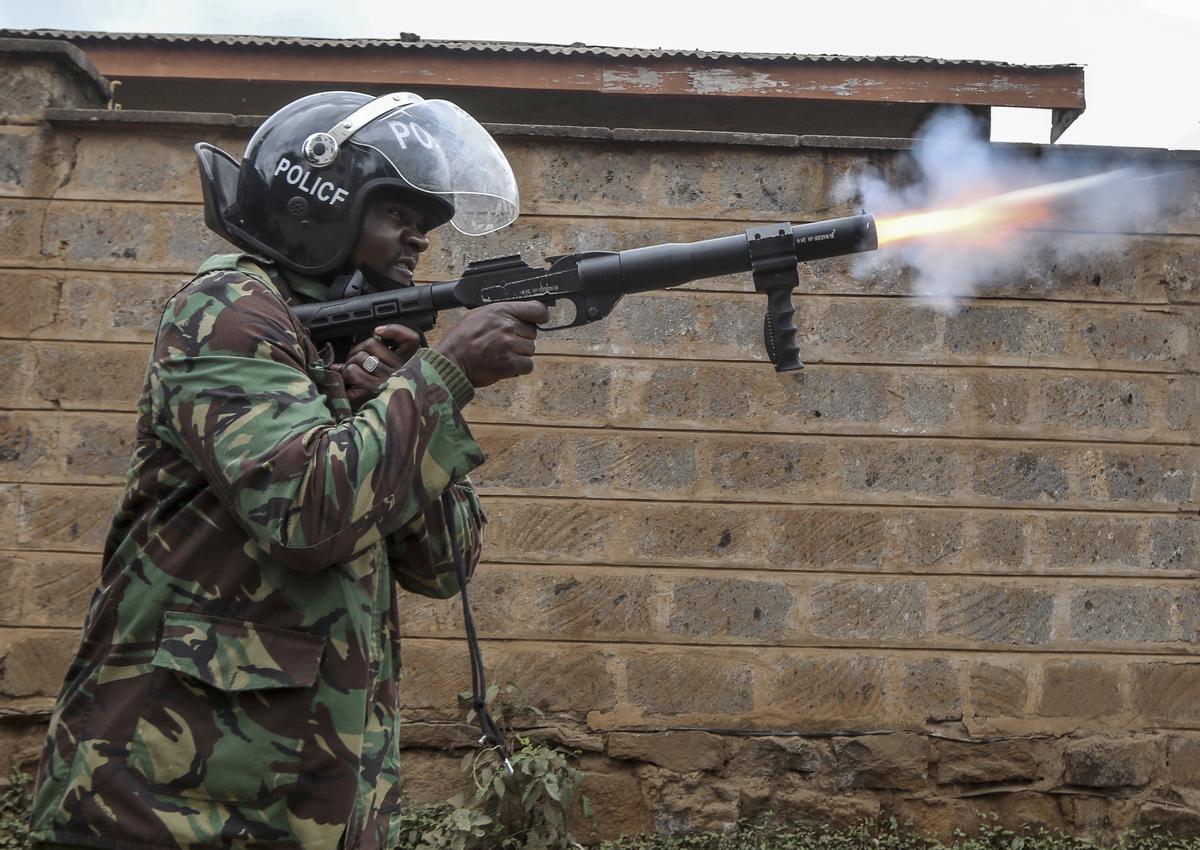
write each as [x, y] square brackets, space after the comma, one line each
[16, 800]
[524, 804]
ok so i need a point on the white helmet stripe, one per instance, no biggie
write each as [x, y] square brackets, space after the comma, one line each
[368, 112]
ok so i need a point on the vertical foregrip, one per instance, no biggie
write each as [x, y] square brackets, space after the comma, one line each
[779, 330]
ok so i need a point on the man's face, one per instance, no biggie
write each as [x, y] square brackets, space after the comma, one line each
[391, 238]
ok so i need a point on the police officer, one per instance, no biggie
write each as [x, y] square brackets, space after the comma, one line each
[237, 679]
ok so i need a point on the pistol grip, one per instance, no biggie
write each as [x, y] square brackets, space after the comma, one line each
[779, 330]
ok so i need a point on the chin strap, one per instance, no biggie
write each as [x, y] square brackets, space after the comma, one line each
[491, 732]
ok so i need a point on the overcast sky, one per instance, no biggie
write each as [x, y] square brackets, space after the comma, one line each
[1142, 79]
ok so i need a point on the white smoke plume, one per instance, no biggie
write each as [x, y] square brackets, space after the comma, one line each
[955, 167]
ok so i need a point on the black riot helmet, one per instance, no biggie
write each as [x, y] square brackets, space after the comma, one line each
[298, 195]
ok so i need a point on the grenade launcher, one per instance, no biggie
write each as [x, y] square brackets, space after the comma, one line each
[594, 282]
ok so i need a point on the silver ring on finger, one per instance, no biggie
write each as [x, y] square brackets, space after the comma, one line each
[370, 364]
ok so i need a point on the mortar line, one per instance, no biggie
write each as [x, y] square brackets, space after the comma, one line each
[798, 217]
[753, 504]
[987, 576]
[656, 358]
[875, 649]
[608, 428]
[697, 287]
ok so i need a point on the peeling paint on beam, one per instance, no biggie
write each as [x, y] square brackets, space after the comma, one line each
[1051, 88]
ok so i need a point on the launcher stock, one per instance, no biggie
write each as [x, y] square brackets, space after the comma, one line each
[595, 281]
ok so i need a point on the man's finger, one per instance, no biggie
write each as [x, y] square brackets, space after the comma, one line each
[534, 312]
[389, 359]
[399, 336]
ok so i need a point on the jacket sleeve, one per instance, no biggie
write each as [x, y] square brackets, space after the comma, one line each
[420, 553]
[235, 389]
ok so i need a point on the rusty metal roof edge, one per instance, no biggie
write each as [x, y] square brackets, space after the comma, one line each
[507, 47]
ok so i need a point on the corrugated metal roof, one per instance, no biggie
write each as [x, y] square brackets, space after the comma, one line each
[496, 47]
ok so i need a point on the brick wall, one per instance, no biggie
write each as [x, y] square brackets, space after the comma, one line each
[948, 570]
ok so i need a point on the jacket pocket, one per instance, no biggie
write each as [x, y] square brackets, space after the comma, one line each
[227, 710]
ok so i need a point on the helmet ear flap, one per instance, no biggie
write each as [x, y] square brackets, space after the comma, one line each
[218, 181]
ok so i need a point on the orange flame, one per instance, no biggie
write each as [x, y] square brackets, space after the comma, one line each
[987, 220]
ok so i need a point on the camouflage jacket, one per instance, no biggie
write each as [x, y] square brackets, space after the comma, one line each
[237, 680]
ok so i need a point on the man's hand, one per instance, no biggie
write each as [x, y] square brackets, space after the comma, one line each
[495, 342]
[373, 361]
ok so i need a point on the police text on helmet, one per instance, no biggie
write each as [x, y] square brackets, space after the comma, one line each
[306, 181]
[405, 130]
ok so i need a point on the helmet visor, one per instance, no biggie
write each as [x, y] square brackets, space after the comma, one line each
[439, 149]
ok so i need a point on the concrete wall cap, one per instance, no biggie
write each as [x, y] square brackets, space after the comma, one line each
[64, 53]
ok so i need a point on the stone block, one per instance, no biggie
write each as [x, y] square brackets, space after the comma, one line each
[1085, 542]
[1183, 405]
[20, 225]
[590, 605]
[971, 763]
[636, 463]
[681, 751]
[1020, 475]
[557, 677]
[1079, 689]
[98, 448]
[824, 692]
[1174, 543]
[725, 607]
[1002, 542]
[33, 663]
[526, 530]
[28, 303]
[696, 534]
[1181, 822]
[1003, 330]
[577, 390]
[1121, 614]
[857, 329]
[66, 518]
[1109, 763]
[46, 589]
[85, 234]
[893, 467]
[766, 466]
[619, 804]
[933, 539]
[929, 399]
[1108, 404]
[29, 447]
[433, 674]
[1183, 760]
[1166, 693]
[995, 614]
[930, 690]
[848, 610]
[519, 460]
[429, 778]
[705, 683]
[999, 400]
[841, 395]
[816, 539]
[771, 757]
[662, 322]
[95, 377]
[1147, 335]
[882, 762]
[121, 165]
[998, 690]
[116, 307]
[1163, 476]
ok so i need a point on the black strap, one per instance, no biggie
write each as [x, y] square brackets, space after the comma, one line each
[491, 733]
